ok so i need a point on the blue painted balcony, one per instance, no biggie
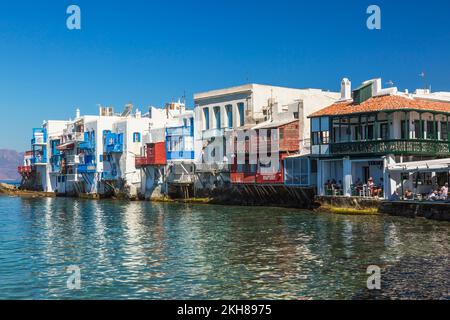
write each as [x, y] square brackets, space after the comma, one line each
[110, 176]
[180, 131]
[87, 168]
[39, 137]
[113, 142]
[55, 162]
[39, 160]
[88, 143]
[180, 155]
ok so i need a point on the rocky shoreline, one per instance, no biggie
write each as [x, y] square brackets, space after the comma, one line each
[413, 278]
[12, 190]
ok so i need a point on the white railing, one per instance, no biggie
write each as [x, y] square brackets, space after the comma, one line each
[208, 134]
[73, 160]
[212, 167]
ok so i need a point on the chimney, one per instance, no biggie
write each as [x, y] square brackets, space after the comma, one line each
[346, 89]
[77, 113]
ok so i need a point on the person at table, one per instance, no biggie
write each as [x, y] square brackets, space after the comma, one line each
[371, 186]
[378, 190]
[434, 195]
[395, 196]
[408, 194]
[444, 191]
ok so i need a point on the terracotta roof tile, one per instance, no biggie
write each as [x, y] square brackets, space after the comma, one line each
[382, 103]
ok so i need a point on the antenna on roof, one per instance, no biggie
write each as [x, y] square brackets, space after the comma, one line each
[390, 83]
[423, 76]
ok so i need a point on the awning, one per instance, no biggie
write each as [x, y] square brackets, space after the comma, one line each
[66, 146]
[439, 165]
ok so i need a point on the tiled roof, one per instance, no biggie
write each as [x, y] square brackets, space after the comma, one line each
[382, 103]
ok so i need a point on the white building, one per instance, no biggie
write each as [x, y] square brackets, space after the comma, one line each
[244, 107]
[363, 134]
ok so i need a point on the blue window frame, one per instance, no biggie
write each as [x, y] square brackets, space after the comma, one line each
[217, 117]
[136, 137]
[206, 114]
[229, 112]
[241, 114]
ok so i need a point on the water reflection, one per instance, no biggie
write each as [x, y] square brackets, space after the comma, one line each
[153, 251]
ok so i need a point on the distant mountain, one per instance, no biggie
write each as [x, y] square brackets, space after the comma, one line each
[9, 161]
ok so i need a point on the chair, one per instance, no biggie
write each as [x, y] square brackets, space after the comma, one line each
[363, 192]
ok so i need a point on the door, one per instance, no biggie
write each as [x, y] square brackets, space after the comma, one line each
[366, 174]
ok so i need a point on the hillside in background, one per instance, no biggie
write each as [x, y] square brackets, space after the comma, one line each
[9, 161]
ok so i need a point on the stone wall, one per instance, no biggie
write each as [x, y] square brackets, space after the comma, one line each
[429, 210]
[348, 202]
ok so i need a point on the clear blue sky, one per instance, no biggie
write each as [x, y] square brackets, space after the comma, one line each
[150, 52]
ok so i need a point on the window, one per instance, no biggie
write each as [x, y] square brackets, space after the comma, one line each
[384, 131]
[431, 130]
[320, 132]
[281, 133]
[206, 118]
[241, 114]
[136, 137]
[418, 129]
[325, 137]
[444, 131]
[403, 129]
[217, 117]
[370, 132]
[322, 137]
[295, 115]
[229, 112]
[316, 138]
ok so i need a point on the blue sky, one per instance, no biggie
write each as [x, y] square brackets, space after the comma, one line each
[150, 52]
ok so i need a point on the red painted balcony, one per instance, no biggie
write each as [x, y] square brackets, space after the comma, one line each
[155, 155]
[270, 178]
[243, 177]
[24, 169]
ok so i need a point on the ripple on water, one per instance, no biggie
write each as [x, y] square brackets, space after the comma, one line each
[155, 251]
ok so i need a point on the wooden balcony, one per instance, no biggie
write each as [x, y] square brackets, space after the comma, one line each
[396, 147]
[155, 155]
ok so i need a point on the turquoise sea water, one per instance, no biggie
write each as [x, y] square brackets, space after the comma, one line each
[142, 250]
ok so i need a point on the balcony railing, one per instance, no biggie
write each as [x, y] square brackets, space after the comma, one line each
[72, 160]
[87, 145]
[109, 176]
[114, 148]
[39, 137]
[38, 140]
[212, 167]
[87, 168]
[213, 133]
[180, 155]
[39, 160]
[415, 147]
[180, 131]
[243, 177]
[113, 143]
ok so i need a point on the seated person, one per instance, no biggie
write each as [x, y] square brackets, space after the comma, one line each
[394, 197]
[371, 186]
[408, 194]
[444, 191]
[433, 195]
